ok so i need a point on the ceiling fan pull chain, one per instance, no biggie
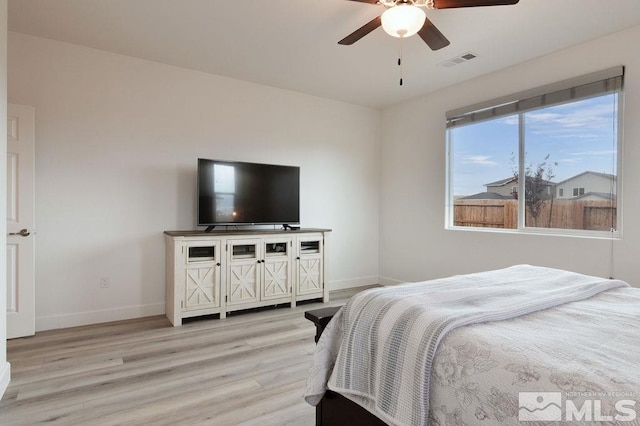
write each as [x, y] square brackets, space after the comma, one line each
[400, 61]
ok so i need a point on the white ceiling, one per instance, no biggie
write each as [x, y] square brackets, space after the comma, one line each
[292, 44]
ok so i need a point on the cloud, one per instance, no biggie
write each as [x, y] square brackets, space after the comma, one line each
[589, 117]
[586, 119]
[512, 119]
[608, 152]
[483, 160]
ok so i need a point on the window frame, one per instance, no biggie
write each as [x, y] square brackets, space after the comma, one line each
[522, 229]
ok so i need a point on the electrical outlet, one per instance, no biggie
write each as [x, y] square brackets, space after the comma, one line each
[104, 282]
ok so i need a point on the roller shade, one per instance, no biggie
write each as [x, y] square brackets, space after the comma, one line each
[587, 86]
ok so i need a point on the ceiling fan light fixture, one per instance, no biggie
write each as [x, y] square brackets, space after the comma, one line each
[403, 20]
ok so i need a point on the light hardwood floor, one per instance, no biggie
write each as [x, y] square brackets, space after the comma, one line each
[248, 369]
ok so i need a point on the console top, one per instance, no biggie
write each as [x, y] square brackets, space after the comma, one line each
[202, 233]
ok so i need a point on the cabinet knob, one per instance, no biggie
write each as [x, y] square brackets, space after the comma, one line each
[218, 264]
[298, 258]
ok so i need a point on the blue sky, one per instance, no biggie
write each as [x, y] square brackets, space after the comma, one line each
[578, 136]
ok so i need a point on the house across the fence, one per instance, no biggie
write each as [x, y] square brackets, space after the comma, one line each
[507, 188]
[585, 201]
[586, 186]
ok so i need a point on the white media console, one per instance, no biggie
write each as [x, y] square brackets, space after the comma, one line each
[222, 271]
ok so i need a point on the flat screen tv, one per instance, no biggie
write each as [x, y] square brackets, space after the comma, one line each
[233, 193]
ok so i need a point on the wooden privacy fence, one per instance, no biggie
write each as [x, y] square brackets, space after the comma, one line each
[594, 215]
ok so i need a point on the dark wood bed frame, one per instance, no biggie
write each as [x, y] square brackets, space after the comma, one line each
[335, 409]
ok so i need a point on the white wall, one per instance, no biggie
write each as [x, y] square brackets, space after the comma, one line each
[413, 242]
[117, 140]
[4, 365]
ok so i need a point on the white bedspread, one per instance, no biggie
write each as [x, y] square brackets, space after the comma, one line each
[388, 366]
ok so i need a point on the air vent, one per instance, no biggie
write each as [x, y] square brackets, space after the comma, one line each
[466, 57]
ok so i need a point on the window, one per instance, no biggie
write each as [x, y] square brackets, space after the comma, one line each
[510, 160]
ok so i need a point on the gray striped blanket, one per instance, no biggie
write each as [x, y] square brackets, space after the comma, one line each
[386, 339]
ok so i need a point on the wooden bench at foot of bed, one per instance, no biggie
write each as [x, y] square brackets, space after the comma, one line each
[334, 409]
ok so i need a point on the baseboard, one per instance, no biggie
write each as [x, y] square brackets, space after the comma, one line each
[5, 377]
[95, 317]
[390, 281]
[352, 282]
[76, 319]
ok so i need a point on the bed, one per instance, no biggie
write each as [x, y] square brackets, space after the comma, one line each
[523, 343]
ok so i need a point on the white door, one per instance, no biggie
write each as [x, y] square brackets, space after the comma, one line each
[20, 222]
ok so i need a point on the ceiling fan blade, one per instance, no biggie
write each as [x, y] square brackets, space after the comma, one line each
[361, 32]
[450, 4]
[432, 36]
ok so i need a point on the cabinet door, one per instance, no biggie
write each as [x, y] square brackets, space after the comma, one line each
[202, 280]
[202, 288]
[243, 271]
[277, 269]
[309, 270]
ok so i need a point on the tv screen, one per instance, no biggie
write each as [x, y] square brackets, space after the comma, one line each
[232, 193]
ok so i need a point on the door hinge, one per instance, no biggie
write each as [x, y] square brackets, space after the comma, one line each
[181, 304]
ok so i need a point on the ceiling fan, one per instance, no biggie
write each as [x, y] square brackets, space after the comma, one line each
[404, 18]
